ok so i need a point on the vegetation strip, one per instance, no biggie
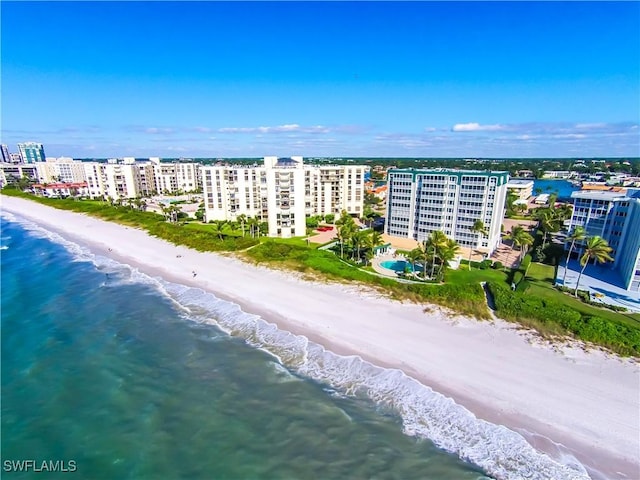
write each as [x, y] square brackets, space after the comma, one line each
[552, 313]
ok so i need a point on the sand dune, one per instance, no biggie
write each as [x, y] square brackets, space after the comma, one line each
[588, 401]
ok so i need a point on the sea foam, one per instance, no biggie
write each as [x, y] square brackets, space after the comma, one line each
[500, 452]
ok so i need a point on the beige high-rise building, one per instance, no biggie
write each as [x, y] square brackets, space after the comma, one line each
[62, 169]
[174, 177]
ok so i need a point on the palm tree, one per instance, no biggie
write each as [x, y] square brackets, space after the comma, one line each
[414, 255]
[596, 249]
[447, 253]
[218, 227]
[253, 224]
[578, 234]
[525, 240]
[345, 228]
[479, 228]
[376, 239]
[516, 232]
[548, 221]
[359, 239]
[242, 220]
[174, 213]
[436, 241]
[423, 252]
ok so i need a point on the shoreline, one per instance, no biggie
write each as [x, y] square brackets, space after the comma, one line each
[588, 402]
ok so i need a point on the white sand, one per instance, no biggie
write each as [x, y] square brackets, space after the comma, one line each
[587, 401]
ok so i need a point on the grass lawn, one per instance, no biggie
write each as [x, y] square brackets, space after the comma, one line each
[541, 279]
[464, 276]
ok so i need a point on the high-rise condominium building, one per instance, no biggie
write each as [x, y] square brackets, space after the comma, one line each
[6, 156]
[119, 180]
[421, 201]
[31, 152]
[282, 192]
[614, 216]
[63, 169]
[174, 177]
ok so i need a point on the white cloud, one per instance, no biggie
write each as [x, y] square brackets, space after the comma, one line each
[287, 128]
[590, 126]
[157, 130]
[476, 127]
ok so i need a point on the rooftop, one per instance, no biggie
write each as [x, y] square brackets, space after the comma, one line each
[519, 183]
[599, 194]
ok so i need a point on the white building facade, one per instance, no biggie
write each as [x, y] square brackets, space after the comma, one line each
[282, 192]
[614, 216]
[63, 169]
[522, 187]
[174, 177]
[421, 201]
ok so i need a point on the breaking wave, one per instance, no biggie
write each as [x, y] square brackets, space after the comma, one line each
[500, 452]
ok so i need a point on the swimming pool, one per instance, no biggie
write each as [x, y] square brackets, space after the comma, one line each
[396, 265]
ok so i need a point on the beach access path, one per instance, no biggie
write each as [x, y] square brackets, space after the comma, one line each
[588, 401]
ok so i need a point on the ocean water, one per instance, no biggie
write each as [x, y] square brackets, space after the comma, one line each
[133, 377]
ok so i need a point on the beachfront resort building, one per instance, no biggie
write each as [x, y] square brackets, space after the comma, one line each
[131, 179]
[6, 156]
[282, 192]
[31, 152]
[174, 177]
[63, 170]
[12, 172]
[119, 180]
[615, 216]
[421, 201]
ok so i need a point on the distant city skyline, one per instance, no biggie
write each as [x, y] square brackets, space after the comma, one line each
[341, 79]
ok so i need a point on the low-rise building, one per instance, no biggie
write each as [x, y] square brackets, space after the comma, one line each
[62, 189]
[521, 186]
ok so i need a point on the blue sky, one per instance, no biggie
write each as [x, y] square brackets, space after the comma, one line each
[371, 79]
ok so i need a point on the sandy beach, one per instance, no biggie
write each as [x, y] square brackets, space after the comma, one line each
[587, 401]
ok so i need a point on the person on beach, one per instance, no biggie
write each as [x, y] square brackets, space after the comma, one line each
[194, 274]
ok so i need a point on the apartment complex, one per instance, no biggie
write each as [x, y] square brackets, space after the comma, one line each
[614, 216]
[174, 177]
[5, 155]
[31, 152]
[63, 169]
[283, 192]
[421, 201]
[10, 172]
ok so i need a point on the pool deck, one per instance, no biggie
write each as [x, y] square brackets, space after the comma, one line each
[604, 284]
[376, 264]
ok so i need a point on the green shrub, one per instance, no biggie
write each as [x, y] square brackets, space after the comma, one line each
[517, 277]
[518, 307]
[497, 265]
[522, 286]
[526, 261]
[485, 264]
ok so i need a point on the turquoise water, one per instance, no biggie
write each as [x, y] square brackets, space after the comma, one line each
[133, 377]
[396, 265]
[102, 367]
[562, 188]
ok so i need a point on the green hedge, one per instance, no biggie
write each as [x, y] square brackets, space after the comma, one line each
[517, 277]
[518, 307]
